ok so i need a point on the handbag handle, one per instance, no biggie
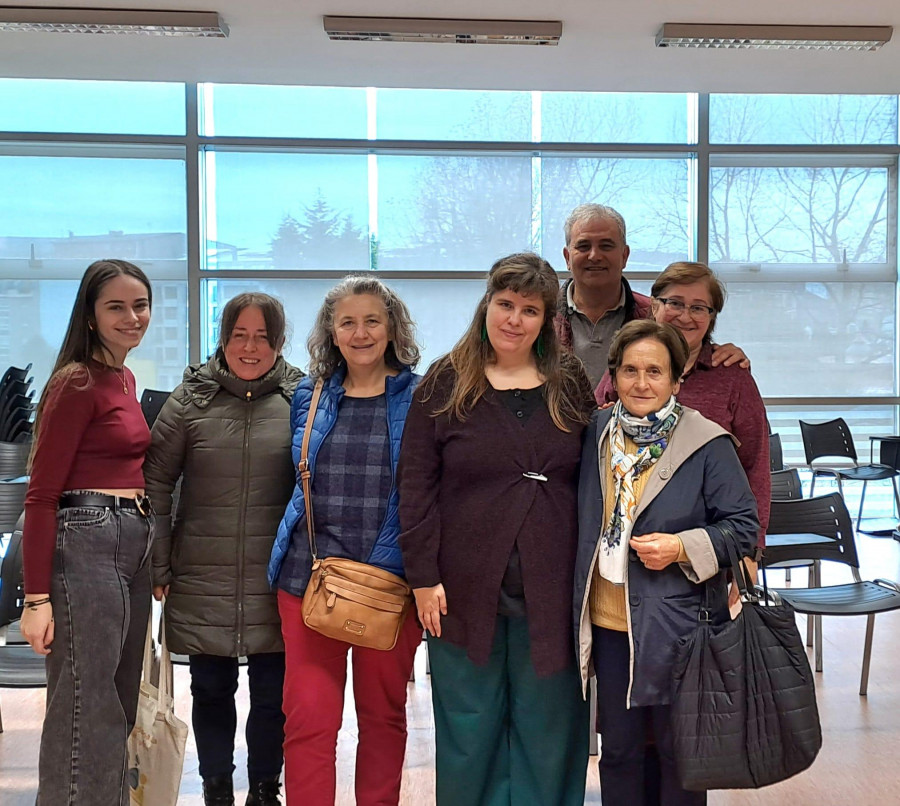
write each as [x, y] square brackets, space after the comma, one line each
[165, 684]
[738, 571]
[303, 467]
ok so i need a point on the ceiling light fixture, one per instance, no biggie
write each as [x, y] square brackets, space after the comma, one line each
[112, 21]
[460, 32]
[769, 37]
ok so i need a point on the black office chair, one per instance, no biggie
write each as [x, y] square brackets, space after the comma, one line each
[786, 485]
[20, 667]
[152, 401]
[833, 438]
[827, 519]
[776, 454]
[14, 402]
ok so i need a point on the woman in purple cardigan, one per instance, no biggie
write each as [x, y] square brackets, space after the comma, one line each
[488, 479]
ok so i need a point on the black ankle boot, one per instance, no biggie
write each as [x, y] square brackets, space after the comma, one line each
[264, 793]
[218, 791]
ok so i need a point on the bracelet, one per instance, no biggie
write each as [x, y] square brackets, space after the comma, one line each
[36, 603]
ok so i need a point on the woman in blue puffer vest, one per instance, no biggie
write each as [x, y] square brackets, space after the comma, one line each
[363, 347]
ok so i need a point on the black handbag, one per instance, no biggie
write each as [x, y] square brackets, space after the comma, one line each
[744, 709]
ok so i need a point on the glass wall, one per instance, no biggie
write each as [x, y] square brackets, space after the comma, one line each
[792, 198]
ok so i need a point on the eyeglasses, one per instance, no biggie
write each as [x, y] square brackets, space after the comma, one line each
[676, 306]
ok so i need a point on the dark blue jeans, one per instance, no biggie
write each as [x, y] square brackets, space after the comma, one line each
[626, 731]
[214, 682]
[100, 593]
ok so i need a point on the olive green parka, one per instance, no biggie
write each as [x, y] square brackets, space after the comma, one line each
[228, 440]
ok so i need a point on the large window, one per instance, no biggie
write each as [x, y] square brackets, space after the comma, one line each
[71, 206]
[299, 185]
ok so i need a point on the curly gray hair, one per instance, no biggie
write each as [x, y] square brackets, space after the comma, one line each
[402, 350]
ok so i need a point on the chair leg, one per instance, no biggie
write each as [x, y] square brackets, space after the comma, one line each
[787, 577]
[817, 623]
[867, 654]
[862, 498]
[427, 658]
[812, 486]
[810, 620]
[896, 494]
[593, 748]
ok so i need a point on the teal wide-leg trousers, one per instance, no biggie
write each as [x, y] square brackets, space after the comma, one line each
[505, 737]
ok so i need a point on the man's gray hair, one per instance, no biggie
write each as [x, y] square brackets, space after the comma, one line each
[588, 212]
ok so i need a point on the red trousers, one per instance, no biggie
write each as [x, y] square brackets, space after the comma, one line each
[314, 682]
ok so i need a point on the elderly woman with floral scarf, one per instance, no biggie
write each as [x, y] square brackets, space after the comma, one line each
[659, 487]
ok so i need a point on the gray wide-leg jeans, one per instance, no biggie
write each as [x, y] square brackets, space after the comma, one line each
[100, 593]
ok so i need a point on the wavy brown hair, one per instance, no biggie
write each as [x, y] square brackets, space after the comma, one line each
[564, 388]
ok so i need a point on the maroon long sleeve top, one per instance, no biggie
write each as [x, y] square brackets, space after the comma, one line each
[92, 436]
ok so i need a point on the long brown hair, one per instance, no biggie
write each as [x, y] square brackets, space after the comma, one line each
[82, 340]
[530, 275]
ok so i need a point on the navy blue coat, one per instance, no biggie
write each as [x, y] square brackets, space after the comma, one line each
[696, 489]
[385, 552]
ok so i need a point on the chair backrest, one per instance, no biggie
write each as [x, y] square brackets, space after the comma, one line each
[14, 388]
[776, 454]
[824, 515]
[14, 374]
[13, 419]
[889, 453]
[11, 579]
[832, 438]
[786, 485]
[151, 404]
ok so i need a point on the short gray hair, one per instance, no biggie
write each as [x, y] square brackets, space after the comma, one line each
[402, 350]
[588, 212]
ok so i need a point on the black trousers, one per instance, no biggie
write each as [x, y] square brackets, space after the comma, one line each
[214, 682]
[624, 777]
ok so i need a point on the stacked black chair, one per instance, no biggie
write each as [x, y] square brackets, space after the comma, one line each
[776, 453]
[16, 405]
[16, 413]
[20, 667]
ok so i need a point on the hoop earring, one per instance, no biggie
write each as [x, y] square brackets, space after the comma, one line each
[484, 331]
[539, 345]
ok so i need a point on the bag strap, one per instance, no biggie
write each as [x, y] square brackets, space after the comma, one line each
[303, 466]
[166, 684]
[149, 655]
[738, 571]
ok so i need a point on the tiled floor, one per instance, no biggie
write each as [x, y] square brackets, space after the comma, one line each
[859, 764]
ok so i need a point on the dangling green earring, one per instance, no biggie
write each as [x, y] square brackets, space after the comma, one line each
[484, 331]
[539, 345]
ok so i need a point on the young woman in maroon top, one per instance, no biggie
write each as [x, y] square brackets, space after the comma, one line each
[488, 479]
[87, 537]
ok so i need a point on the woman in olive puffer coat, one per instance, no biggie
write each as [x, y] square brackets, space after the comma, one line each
[225, 432]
